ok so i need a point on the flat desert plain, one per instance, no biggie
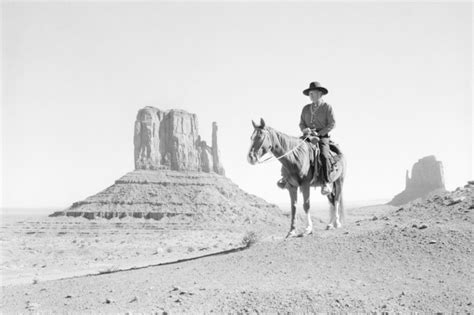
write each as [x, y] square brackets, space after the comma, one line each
[414, 258]
[41, 248]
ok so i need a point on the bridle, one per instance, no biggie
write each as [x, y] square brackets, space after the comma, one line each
[272, 157]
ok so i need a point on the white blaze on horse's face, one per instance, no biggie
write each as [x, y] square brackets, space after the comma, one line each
[258, 145]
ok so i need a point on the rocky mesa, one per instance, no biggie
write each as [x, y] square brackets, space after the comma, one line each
[427, 176]
[177, 177]
[171, 140]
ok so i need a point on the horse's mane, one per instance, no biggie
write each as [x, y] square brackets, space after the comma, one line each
[288, 143]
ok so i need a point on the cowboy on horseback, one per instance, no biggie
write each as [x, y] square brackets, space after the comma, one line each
[316, 121]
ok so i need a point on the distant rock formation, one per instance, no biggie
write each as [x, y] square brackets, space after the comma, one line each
[170, 140]
[178, 179]
[427, 176]
[216, 162]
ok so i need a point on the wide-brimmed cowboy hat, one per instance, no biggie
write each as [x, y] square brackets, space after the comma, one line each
[315, 86]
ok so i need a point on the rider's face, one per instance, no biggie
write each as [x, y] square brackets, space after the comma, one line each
[315, 95]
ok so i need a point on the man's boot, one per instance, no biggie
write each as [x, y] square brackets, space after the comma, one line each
[326, 189]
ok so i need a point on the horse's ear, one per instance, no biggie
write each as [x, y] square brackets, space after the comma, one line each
[254, 124]
[262, 123]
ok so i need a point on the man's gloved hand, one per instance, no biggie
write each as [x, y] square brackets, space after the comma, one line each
[307, 131]
[310, 132]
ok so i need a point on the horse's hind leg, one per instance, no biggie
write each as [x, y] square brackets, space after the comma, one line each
[331, 224]
[332, 212]
[337, 222]
[339, 202]
[293, 198]
[336, 206]
[306, 206]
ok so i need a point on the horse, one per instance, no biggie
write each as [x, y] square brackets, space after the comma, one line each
[297, 157]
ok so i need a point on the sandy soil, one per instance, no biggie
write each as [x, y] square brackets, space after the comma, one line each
[41, 248]
[398, 259]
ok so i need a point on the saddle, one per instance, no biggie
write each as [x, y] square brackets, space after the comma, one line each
[335, 155]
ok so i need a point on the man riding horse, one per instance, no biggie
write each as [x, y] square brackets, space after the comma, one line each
[303, 164]
[317, 120]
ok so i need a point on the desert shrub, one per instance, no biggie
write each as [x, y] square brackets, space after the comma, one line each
[249, 239]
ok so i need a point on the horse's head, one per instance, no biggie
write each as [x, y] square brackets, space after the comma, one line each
[260, 142]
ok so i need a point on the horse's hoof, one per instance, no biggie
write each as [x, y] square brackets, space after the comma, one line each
[338, 225]
[330, 227]
[291, 234]
[306, 233]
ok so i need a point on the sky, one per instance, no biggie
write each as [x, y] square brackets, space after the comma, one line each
[75, 74]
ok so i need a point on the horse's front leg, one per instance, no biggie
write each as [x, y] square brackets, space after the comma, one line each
[306, 206]
[293, 198]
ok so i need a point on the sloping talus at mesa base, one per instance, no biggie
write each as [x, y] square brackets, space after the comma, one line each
[165, 194]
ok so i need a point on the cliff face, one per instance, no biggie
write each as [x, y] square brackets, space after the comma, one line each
[427, 175]
[170, 140]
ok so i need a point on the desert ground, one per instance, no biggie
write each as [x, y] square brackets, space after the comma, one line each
[37, 249]
[413, 258]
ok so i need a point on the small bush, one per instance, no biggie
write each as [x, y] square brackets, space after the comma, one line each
[249, 239]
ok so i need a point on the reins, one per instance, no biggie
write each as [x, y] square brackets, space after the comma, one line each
[277, 158]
